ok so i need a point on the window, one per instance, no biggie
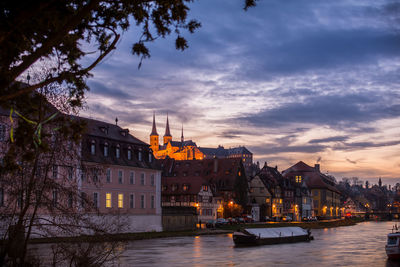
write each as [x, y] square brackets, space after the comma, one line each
[2, 132]
[108, 200]
[55, 198]
[120, 201]
[70, 200]
[315, 192]
[142, 179]
[205, 188]
[140, 156]
[174, 187]
[93, 148]
[55, 171]
[120, 177]
[95, 176]
[298, 179]
[152, 202]
[83, 199]
[142, 204]
[1, 197]
[105, 150]
[108, 175]
[150, 157]
[152, 182]
[132, 178]
[132, 201]
[185, 187]
[70, 172]
[164, 188]
[96, 199]
[83, 175]
[129, 154]
[117, 152]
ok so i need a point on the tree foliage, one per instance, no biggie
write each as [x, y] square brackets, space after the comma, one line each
[62, 31]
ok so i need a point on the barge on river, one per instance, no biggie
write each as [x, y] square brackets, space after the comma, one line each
[269, 236]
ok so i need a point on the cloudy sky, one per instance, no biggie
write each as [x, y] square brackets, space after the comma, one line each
[291, 80]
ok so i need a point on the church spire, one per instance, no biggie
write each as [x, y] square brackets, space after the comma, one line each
[167, 133]
[154, 130]
[182, 139]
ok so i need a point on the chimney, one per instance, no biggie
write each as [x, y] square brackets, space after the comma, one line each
[316, 166]
[215, 164]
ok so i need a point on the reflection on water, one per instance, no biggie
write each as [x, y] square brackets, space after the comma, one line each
[359, 245]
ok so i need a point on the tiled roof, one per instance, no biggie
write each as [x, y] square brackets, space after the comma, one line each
[220, 173]
[312, 177]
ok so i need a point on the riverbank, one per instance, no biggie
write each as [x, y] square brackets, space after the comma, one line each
[224, 230]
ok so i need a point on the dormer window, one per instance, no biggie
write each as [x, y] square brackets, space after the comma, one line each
[140, 155]
[93, 148]
[117, 152]
[105, 150]
[129, 153]
[150, 157]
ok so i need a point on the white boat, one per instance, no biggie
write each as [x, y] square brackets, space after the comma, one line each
[393, 244]
[269, 236]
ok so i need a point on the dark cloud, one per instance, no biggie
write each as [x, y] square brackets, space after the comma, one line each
[266, 149]
[329, 139]
[103, 90]
[351, 161]
[364, 145]
[337, 111]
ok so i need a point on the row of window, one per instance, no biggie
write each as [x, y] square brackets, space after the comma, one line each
[118, 152]
[95, 175]
[121, 200]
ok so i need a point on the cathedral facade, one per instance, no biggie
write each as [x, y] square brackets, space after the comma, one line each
[178, 150]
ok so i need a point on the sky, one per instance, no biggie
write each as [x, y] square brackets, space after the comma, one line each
[309, 80]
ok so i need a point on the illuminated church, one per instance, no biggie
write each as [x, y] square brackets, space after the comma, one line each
[183, 150]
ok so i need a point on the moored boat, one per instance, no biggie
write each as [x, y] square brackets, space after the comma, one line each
[269, 236]
[393, 244]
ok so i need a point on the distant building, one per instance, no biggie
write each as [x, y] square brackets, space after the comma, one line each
[325, 195]
[179, 150]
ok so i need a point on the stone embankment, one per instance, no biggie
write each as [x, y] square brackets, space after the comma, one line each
[223, 230]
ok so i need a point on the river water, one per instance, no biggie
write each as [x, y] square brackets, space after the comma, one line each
[359, 245]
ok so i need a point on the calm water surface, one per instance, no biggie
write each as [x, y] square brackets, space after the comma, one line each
[359, 245]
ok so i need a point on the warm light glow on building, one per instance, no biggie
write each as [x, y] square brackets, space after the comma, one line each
[120, 200]
[108, 200]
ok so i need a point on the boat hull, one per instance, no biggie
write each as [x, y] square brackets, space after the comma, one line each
[393, 252]
[242, 239]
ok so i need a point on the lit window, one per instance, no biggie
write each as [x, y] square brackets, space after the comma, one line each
[105, 152]
[205, 188]
[132, 178]
[93, 148]
[108, 175]
[120, 177]
[108, 200]
[120, 200]
[298, 179]
[185, 187]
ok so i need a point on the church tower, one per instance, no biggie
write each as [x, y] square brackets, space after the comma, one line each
[154, 145]
[167, 135]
